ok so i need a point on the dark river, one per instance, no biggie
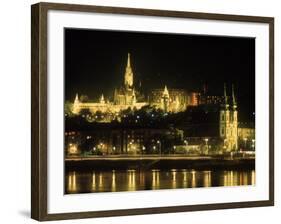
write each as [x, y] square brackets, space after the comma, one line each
[132, 180]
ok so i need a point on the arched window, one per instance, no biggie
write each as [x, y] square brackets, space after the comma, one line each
[222, 131]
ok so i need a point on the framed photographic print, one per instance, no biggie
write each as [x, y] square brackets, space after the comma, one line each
[138, 111]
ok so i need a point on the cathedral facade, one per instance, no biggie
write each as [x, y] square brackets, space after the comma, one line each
[128, 97]
[229, 123]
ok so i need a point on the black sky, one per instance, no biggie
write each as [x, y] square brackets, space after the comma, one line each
[95, 61]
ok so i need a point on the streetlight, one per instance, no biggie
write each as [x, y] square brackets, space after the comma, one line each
[253, 143]
[94, 149]
[130, 145]
[154, 148]
[186, 143]
[158, 142]
[72, 148]
[143, 149]
[113, 148]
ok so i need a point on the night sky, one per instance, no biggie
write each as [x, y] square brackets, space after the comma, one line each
[95, 63]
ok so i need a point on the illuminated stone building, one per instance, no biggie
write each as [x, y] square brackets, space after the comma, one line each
[193, 99]
[246, 131]
[169, 100]
[229, 123]
[246, 136]
[125, 97]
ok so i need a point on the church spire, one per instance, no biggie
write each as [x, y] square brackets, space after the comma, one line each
[128, 61]
[129, 76]
[233, 98]
[225, 97]
[102, 101]
[166, 92]
[76, 100]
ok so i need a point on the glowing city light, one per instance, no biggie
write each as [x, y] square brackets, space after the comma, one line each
[72, 149]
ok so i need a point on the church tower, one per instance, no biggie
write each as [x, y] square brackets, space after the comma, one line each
[76, 105]
[234, 121]
[225, 120]
[165, 99]
[229, 123]
[129, 76]
[102, 101]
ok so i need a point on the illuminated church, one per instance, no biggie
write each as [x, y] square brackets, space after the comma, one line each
[128, 97]
[229, 122]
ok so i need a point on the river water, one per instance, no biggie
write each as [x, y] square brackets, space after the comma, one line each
[134, 180]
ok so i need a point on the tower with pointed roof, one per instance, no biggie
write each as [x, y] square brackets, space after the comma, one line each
[129, 76]
[165, 99]
[234, 120]
[229, 122]
[76, 105]
[102, 101]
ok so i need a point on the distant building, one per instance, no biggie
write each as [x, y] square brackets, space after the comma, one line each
[124, 97]
[210, 99]
[209, 117]
[229, 122]
[246, 130]
[246, 136]
[214, 124]
[115, 139]
[172, 100]
[193, 99]
[169, 100]
[204, 98]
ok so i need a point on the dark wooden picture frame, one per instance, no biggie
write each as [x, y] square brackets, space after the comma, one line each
[39, 194]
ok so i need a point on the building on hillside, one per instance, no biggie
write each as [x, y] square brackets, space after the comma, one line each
[127, 96]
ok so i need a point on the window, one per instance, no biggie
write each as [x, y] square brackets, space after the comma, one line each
[222, 131]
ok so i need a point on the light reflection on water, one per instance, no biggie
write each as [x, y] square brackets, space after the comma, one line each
[133, 180]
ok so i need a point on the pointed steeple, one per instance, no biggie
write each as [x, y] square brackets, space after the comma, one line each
[129, 76]
[129, 61]
[165, 99]
[166, 92]
[102, 101]
[76, 100]
[76, 105]
[226, 105]
[234, 103]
